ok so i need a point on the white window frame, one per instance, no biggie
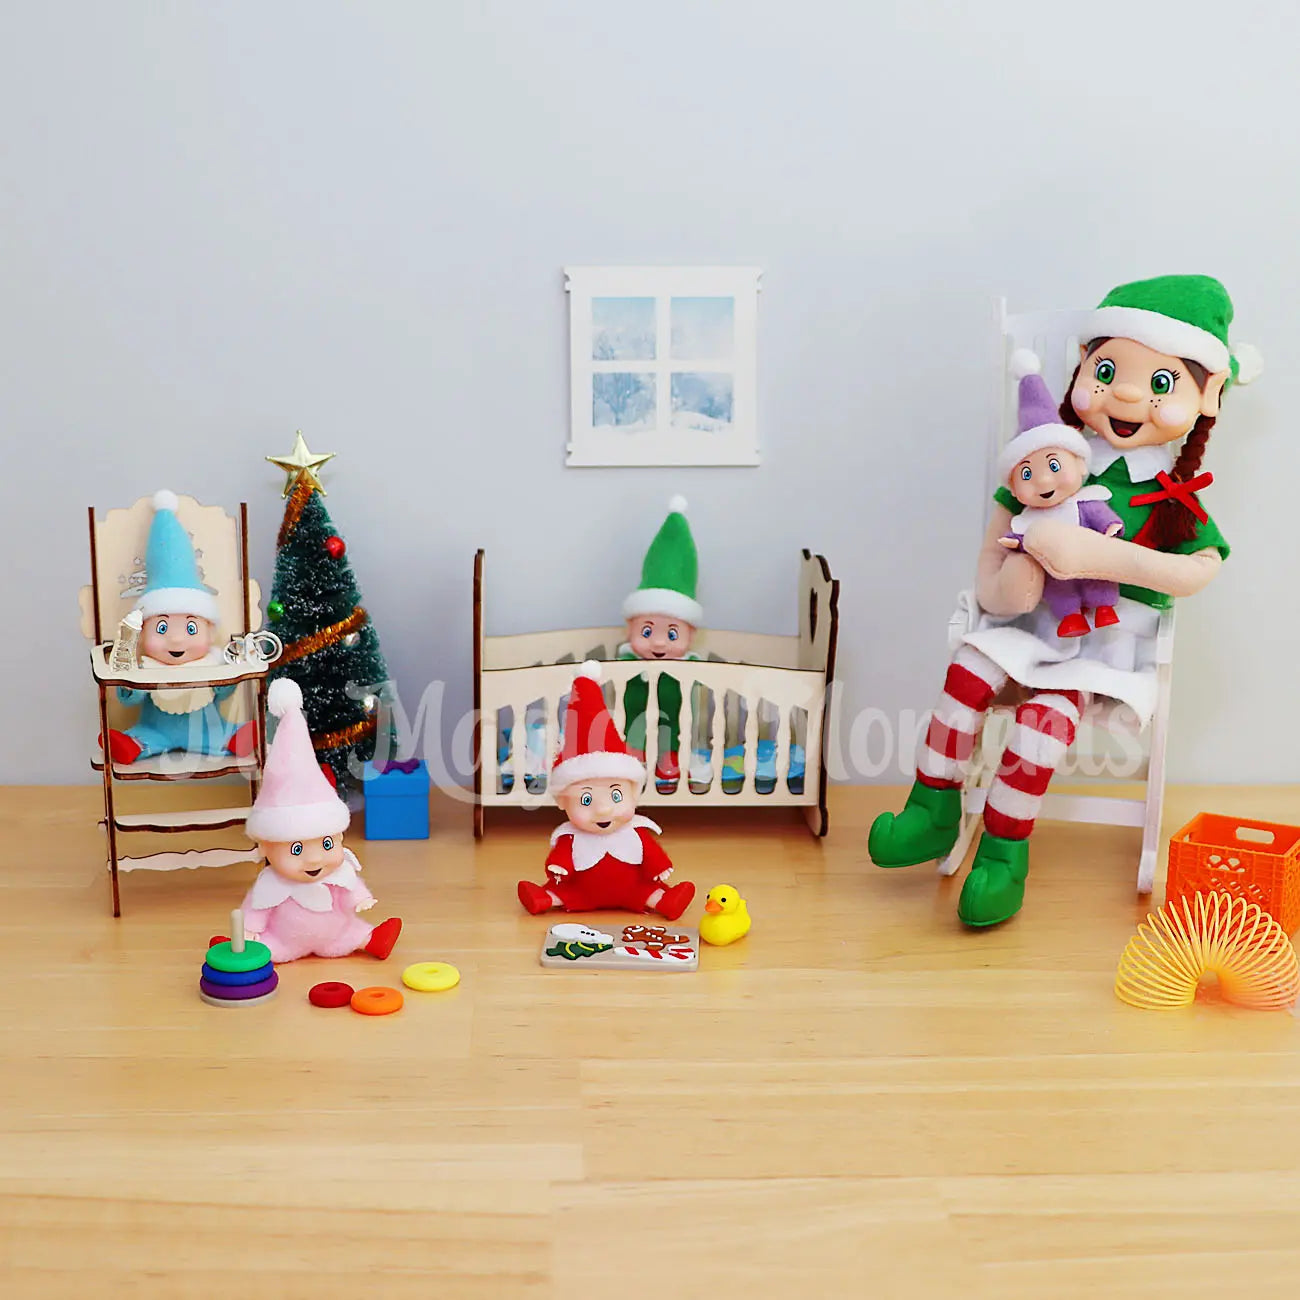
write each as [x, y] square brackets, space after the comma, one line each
[663, 445]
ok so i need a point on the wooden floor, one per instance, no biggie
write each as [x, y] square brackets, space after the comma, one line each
[860, 1100]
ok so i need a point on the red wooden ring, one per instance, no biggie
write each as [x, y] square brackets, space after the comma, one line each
[333, 993]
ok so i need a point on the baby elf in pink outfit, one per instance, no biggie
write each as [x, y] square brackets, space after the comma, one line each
[306, 900]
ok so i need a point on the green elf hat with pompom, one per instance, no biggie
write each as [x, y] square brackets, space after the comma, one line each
[1181, 315]
[670, 572]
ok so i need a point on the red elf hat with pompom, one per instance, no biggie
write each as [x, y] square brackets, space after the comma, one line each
[593, 749]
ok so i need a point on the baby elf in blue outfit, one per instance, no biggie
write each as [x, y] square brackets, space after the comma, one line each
[662, 617]
[179, 618]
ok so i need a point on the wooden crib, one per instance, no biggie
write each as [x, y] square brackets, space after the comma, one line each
[781, 683]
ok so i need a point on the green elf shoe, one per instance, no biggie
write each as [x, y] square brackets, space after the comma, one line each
[924, 831]
[995, 888]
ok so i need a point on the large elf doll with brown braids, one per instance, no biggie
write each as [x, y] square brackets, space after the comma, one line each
[1154, 364]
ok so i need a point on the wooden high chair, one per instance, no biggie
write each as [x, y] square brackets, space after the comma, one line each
[117, 549]
[1106, 729]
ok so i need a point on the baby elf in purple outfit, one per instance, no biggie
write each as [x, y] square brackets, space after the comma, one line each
[1044, 467]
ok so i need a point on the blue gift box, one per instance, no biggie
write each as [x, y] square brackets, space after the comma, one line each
[397, 801]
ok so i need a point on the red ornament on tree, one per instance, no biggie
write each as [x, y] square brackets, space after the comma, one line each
[336, 547]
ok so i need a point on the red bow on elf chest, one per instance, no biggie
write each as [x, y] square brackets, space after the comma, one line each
[1184, 493]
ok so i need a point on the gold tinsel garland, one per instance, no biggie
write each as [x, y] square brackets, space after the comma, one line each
[344, 735]
[293, 511]
[326, 636]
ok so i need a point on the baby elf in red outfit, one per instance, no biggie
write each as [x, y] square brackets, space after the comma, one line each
[604, 856]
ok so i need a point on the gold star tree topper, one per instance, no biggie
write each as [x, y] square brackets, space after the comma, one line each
[301, 462]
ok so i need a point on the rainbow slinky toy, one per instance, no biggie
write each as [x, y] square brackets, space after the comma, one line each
[1209, 934]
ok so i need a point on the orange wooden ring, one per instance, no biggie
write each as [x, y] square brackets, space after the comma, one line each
[377, 1001]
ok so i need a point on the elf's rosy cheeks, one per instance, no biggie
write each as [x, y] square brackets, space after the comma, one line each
[1174, 415]
[1081, 398]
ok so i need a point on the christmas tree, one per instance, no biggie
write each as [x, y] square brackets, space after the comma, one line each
[331, 648]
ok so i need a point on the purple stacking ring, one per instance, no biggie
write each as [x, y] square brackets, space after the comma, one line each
[238, 992]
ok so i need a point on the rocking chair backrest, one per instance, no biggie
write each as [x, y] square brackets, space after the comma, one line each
[1054, 336]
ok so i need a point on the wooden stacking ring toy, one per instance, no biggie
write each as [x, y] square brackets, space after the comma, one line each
[237, 972]
[377, 1001]
[333, 993]
[431, 976]
[1209, 934]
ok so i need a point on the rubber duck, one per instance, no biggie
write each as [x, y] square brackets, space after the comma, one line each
[726, 918]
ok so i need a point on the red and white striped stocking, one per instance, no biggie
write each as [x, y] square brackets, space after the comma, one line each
[1043, 731]
[973, 680]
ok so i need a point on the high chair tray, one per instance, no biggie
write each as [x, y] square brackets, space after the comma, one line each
[203, 674]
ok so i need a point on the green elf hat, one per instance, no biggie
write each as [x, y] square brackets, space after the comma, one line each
[1182, 315]
[670, 572]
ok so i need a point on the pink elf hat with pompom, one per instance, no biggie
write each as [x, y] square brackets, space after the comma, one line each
[296, 801]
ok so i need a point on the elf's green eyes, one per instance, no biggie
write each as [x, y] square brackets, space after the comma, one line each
[1105, 372]
[1162, 382]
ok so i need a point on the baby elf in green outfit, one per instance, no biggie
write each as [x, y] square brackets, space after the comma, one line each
[662, 617]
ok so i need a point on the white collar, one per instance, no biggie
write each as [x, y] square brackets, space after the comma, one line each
[181, 699]
[624, 844]
[1065, 510]
[270, 889]
[1143, 462]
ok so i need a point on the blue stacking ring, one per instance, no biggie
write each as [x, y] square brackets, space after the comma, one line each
[234, 978]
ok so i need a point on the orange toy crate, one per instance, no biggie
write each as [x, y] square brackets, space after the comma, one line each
[1257, 861]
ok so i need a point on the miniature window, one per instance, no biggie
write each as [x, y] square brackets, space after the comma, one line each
[663, 365]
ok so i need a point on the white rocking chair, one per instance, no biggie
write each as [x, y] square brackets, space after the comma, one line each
[1054, 336]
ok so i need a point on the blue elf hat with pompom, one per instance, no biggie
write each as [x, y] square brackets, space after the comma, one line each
[172, 581]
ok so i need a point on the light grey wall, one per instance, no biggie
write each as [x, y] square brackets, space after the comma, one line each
[223, 222]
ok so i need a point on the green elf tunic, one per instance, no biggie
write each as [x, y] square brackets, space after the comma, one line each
[1117, 662]
[636, 696]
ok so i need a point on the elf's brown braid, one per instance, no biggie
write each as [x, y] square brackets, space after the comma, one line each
[1172, 524]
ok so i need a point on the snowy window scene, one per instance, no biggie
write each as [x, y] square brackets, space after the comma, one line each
[663, 365]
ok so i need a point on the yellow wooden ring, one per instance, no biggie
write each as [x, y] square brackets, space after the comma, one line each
[431, 976]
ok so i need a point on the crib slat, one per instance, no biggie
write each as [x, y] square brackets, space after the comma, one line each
[752, 704]
[651, 725]
[518, 749]
[718, 740]
[782, 749]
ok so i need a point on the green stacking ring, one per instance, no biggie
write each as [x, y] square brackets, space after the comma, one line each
[222, 957]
